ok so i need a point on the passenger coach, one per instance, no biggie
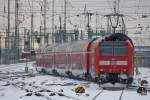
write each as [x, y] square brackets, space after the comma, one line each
[103, 60]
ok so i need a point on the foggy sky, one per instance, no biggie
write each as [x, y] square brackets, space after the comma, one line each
[133, 10]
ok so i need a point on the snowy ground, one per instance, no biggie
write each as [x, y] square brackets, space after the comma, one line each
[15, 84]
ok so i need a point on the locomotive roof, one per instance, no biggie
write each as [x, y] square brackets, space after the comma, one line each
[118, 37]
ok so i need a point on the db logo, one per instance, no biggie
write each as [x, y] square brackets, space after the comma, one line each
[113, 59]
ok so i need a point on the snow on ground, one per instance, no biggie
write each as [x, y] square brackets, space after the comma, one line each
[15, 84]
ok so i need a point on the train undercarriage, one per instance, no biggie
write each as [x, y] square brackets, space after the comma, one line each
[65, 73]
[116, 80]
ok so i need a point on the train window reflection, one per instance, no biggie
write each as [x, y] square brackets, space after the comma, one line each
[106, 52]
[120, 51]
[110, 49]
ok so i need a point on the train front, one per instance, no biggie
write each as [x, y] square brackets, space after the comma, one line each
[115, 60]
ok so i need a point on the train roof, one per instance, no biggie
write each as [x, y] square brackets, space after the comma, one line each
[118, 37]
[78, 46]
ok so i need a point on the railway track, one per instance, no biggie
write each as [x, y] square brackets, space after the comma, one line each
[14, 66]
[8, 68]
[120, 98]
[98, 94]
[106, 94]
[9, 77]
[30, 88]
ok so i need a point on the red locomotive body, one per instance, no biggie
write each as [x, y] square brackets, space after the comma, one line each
[103, 60]
[115, 61]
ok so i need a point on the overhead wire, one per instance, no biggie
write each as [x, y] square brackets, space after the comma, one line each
[102, 9]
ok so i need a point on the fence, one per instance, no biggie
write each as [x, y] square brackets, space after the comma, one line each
[140, 61]
[142, 56]
[8, 56]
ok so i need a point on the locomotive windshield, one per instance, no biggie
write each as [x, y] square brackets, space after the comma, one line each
[113, 49]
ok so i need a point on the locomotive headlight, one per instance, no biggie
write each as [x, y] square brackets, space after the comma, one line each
[101, 70]
[104, 62]
[124, 70]
[121, 63]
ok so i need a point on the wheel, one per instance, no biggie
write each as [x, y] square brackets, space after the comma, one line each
[43, 71]
[88, 77]
[69, 74]
[130, 80]
[54, 71]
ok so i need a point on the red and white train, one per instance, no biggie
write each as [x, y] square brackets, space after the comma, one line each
[104, 60]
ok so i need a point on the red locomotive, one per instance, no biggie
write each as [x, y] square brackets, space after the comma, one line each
[103, 60]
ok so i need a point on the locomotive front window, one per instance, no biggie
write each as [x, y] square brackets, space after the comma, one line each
[106, 50]
[110, 49]
[120, 51]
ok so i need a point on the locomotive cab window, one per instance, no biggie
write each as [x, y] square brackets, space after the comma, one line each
[113, 49]
[120, 50]
[106, 50]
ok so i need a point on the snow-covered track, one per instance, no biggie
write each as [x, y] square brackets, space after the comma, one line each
[106, 94]
[7, 67]
[11, 67]
[31, 88]
[97, 95]
[120, 98]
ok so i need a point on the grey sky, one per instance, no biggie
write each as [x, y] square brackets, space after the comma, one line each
[133, 9]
